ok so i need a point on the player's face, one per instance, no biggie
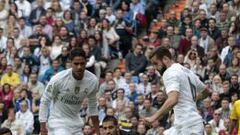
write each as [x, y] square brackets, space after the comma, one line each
[156, 62]
[109, 128]
[78, 66]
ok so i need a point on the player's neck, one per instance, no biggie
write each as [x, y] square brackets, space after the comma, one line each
[77, 77]
[169, 64]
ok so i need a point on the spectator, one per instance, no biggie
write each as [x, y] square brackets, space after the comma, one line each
[208, 130]
[213, 12]
[206, 41]
[68, 21]
[213, 31]
[46, 29]
[234, 68]
[26, 73]
[100, 64]
[235, 86]
[207, 110]
[3, 40]
[144, 87]
[24, 7]
[217, 123]
[13, 124]
[148, 109]
[87, 130]
[25, 30]
[56, 48]
[224, 110]
[222, 40]
[226, 93]
[17, 38]
[120, 98]
[34, 84]
[3, 12]
[110, 39]
[191, 58]
[155, 128]
[227, 52]
[185, 43]
[125, 125]
[102, 107]
[26, 117]
[37, 12]
[35, 110]
[23, 95]
[132, 93]
[215, 100]
[225, 76]
[195, 46]
[10, 77]
[223, 23]
[50, 18]
[29, 59]
[124, 29]
[90, 58]
[140, 101]
[118, 78]
[6, 95]
[55, 68]
[45, 62]
[141, 129]
[136, 62]
[172, 20]
[153, 75]
[103, 86]
[110, 126]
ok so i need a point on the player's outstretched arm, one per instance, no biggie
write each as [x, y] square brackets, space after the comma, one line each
[44, 107]
[204, 94]
[203, 91]
[167, 106]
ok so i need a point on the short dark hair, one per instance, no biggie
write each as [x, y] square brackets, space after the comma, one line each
[120, 89]
[5, 130]
[160, 52]
[226, 99]
[234, 75]
[77, 52]
[111, 118]
[92, 37]
[212, 19]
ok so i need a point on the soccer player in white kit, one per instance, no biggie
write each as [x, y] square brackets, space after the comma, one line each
[182, 87]
[63, 96]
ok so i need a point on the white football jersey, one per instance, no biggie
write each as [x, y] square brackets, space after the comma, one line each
[179, 78]
[63, 96]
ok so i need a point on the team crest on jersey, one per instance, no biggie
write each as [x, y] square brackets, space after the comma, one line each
[77, 89]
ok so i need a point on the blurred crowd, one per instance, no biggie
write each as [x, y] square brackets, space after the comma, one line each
[118, 37]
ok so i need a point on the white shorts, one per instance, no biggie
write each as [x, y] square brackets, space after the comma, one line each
[191, 130]
[64, 131]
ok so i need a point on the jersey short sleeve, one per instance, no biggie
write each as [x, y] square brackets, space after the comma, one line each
[171, 82]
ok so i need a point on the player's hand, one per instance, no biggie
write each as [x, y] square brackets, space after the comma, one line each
[149, 120]
[43, 129]
[44, 132]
